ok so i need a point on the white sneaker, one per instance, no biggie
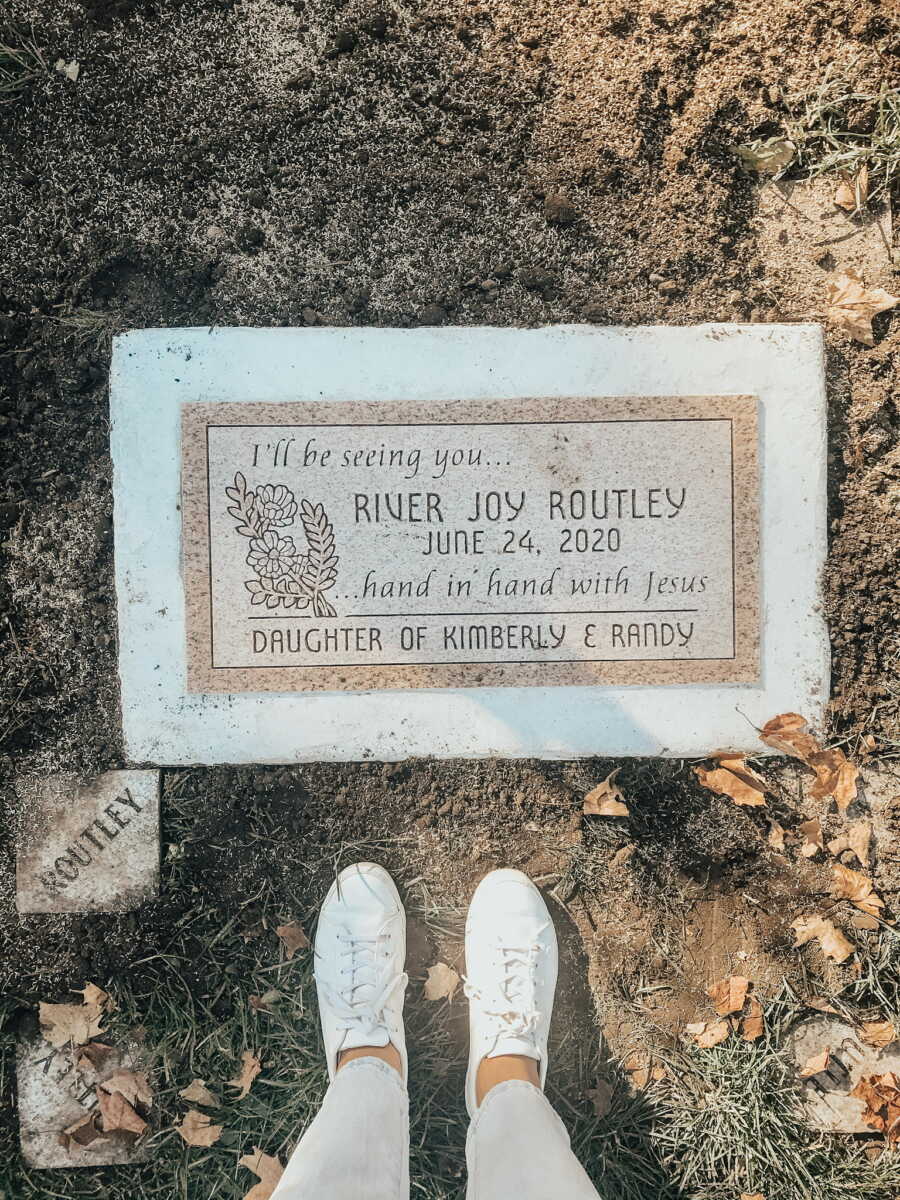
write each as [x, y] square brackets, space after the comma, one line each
[360, 953]
[511, 966]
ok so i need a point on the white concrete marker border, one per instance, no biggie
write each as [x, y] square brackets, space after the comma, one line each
[155, 371]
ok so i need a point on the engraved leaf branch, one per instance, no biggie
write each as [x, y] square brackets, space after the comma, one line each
[285, 576]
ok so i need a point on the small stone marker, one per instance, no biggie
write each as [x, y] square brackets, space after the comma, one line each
[341, 546]
[91, 847]
[827, 1102]
[54, 1095]
[376, 543]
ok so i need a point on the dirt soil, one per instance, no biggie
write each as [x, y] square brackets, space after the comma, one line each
[358, 162]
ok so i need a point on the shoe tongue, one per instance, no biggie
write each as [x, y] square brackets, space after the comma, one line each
[359, 1036]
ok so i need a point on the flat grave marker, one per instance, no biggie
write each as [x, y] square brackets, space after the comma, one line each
[87, 847]
[372, 543]
[54, 1094]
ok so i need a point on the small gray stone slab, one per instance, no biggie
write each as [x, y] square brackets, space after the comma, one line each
[87, 847]
[54, 1095]
[827, 1102]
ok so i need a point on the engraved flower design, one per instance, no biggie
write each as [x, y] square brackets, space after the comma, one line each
[276, 504]
[271, 556]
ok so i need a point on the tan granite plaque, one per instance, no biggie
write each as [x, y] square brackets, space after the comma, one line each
[347, 546]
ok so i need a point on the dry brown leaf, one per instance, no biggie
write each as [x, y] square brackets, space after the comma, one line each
[709, 1033]
[767, 156]
[776, 836]
[293, 938]
[857, 888]
[637, 1065]
[742, 789]
[815, 1064]
[64, 1024]
[752, 1196]
[865, 921]
[606, 799]
[622, 856]
[441, 983]
[197, 1092]
[851, 305]
[267, 1002]
[728, 995]
[852, 195]
[250, 1068]
[96, 995]
[881, 1096]
[813, 841]
[834, 944]
[197, 1129]
[93, 1055]
[601, 1098]
[789, 733]
[835, 776]
[117, 1114]
[82, 1133]
[878, 1033]
[857, 839]
[132, 1085]
[753, 1025]
[268, 1169]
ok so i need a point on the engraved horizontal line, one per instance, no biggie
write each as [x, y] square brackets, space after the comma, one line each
[463, 662]
[440, 424]
[573, 612]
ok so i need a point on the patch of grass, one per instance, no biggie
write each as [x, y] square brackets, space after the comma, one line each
[20, 62]
[840, 128]
[734, 1126]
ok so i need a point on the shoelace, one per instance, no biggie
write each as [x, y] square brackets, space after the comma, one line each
[513, 1006]
[365, 1015]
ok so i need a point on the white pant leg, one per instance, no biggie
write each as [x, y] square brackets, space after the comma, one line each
[358, 1144]
[518, 1149]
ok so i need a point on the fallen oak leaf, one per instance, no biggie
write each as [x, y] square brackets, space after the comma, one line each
[878, 1033]
[293, 938]
[753, 1025]
[881, 1096]
[728, 995]
[82, 1133]
[268, 1169]
[857, 888]
[117, 1114]
[851, 305]
[775, 836]
[250, 1068]
[789, 733]
[64, 1024]
[606, 799]
[815, 1064]
[857, 839]
[132, 1085]
[197, 1129]
[708, 1034]
[813, 840]
[441, 983]
[92, 994]
[93, 1055]
[197, 1092]
[852, 195]
[835, 776]
[752, 1196]
[743, 789]
[832, 941]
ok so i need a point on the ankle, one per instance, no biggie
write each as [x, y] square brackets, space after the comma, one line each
[389, 1054]
[502, 1068]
